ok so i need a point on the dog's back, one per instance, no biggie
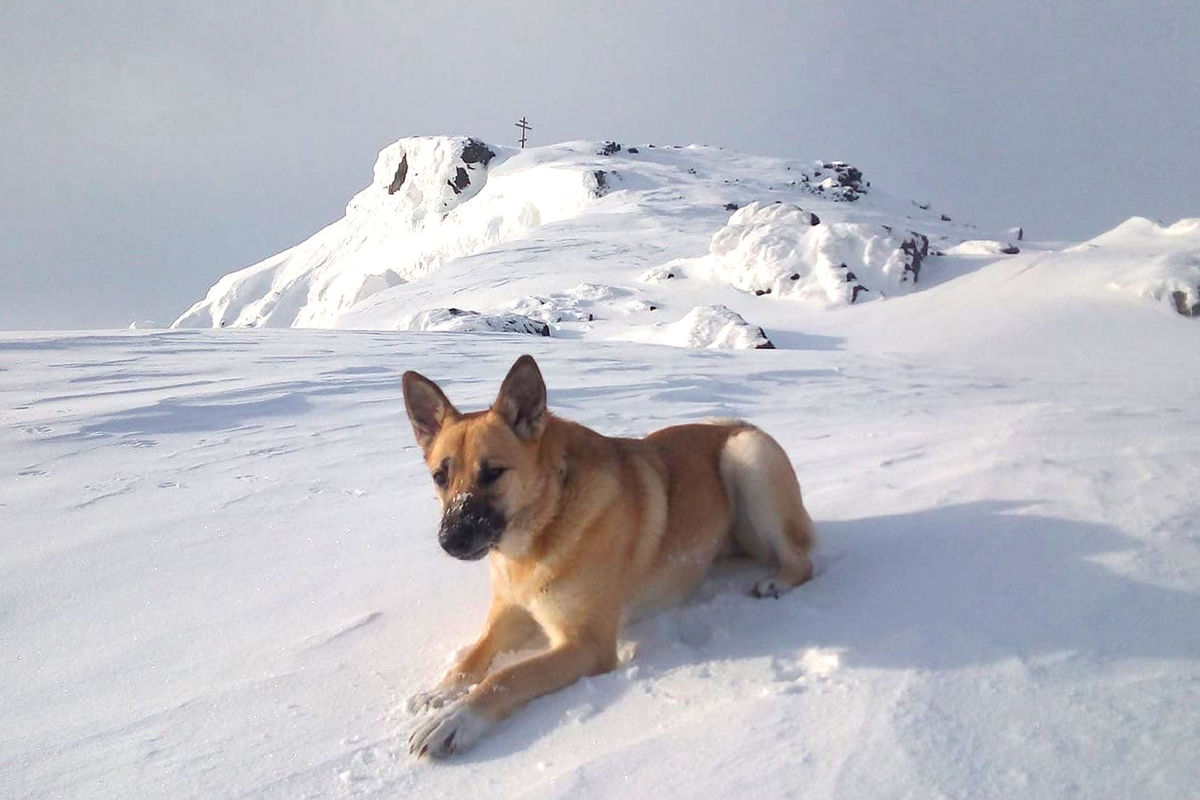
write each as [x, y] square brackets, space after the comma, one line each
[728, 487]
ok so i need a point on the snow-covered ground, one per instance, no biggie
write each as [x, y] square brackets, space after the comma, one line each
[220, 574]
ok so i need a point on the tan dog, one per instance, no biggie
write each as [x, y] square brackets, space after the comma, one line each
[583, 531]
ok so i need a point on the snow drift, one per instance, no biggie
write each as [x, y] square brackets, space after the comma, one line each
[713, 327]
[782, 249]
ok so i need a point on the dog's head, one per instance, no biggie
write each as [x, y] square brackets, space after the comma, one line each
[484, 464]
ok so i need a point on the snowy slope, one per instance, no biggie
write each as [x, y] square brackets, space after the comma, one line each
[221, 577]
[606, 242]
[594, 239]
[220, 574]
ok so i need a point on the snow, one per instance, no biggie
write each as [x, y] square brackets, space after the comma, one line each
[785, 250]
[533, 224]
[390, 237]
[457, 319]
[711, 327]
[221, 576]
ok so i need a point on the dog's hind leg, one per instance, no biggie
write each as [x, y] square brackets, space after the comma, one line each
[794, 565]
[770, 521]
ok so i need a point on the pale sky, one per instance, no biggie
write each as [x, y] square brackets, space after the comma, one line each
[148, 148]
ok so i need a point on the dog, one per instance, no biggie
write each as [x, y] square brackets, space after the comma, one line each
[584, 531]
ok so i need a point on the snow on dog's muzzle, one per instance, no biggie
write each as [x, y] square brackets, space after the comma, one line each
[470, 526]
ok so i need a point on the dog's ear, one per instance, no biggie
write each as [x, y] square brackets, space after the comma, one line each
[428, 408]
[522, 399]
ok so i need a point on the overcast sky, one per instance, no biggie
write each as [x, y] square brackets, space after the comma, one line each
[148, 148]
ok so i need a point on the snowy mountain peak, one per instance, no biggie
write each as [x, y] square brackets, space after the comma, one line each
[601, 240]
[446, 221]
[419, 179]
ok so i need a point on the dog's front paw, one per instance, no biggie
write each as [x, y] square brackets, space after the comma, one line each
[435, 698]
[448, 732]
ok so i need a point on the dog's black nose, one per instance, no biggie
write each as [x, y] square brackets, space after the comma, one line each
[470, 526]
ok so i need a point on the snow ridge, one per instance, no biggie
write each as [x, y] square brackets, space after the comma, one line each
[431, 200]
[517, 237]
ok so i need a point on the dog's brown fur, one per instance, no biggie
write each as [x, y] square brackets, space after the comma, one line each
[591, 530]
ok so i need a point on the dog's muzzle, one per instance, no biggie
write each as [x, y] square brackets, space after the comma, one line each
[470, 527]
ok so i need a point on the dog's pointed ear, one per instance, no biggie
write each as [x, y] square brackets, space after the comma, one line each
[522, 399]
[428, 408]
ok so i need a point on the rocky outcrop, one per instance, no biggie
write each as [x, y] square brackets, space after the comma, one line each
[782, 249]
[462, 321]
[837, 180]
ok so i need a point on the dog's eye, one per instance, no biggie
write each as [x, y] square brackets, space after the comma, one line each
[489, 475]
[439, 478]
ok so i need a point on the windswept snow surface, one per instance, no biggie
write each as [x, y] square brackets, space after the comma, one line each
[220, 574]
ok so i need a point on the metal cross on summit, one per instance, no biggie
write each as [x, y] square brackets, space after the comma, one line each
[525, 127]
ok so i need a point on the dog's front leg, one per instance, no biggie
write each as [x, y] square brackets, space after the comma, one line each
[508, 627]
[456, 728]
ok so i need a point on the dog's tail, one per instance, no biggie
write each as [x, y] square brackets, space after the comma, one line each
[769, 519]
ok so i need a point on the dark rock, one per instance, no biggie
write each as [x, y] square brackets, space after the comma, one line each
[1011, 250]
[461, 181]
[476, 152]
[609, 149]
[813, 219]
[856, 290]
[632, 150]
[766, 344]
[654, 308]
[601, 182]
[761, 292]
[848, 181]
[1180, 298]
[916, 248]
[401, 174]
[731, 206]
[945, 217]
[795, 276]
